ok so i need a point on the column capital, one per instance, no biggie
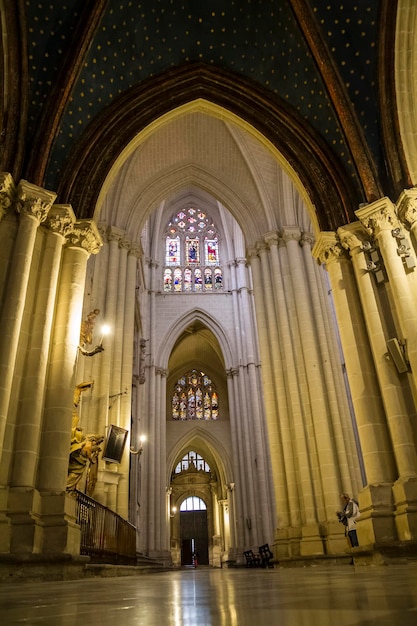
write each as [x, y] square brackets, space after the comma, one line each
[85, 235]
[33, 200]
[60, 219]
[353, 236]
[135, 249]
[328, 248]
[272, 239]
[378, 216]
[407, 207]
[251, 253]
[7, 192]
[307, 239]
[291, 234]
[124, 243]
[233, 371]
[115, 234]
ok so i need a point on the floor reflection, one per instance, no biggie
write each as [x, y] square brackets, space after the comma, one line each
[322, 596]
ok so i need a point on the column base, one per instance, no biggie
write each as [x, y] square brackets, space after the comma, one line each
[376, 523]
[287, 542]
[5, 534]
[405, 498]
[41, 523]
[23, 511]
[311, 541]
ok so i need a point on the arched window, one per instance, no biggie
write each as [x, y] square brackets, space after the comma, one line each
[193, 504]
[195, 398]
[189, 460]
[192, 261]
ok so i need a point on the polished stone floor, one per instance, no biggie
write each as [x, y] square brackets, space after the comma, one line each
[309, 596]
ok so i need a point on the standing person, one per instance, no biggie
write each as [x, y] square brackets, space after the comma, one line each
[350, 513]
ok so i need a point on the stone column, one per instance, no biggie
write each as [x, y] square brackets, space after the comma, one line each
[238, 463]
[245, 439]
[351, 286]
[288, 346]
[250, 386]
[126, 376]
[60, 534]
[380, 219]
[328, 494]
[59, 222]
[261, 285]
[33, 204]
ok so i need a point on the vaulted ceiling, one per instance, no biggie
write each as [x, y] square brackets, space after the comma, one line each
[83, 79]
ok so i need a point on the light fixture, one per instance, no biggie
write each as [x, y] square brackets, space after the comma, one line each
[142, 439]
[173, 511]
[105, 330]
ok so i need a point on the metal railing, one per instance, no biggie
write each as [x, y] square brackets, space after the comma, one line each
[105, 536]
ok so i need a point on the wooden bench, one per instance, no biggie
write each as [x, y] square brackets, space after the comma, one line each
[266, 556]
[252, 559]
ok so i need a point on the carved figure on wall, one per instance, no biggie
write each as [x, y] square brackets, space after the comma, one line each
[84, 449]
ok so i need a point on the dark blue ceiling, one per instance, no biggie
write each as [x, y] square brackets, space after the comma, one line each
[259, 39]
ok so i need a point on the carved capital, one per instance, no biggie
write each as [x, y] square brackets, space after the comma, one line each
[272, 239]
[85, 235]
[124, 243]
[328, 248]
[307, 239]
[291, 234]
[135, 249]
[353, 237]
[407, 207]
[7, 193]
[60, 219]
[115, 234]
[378, 216]
[34, 201]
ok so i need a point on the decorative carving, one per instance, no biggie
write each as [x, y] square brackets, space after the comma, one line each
[60, 219]
[34, 201]
[7, 193]
[85, 235]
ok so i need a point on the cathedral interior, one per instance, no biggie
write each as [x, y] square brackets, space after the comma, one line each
[208, 279]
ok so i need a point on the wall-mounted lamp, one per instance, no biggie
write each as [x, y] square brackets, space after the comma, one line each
[173, 511]
[142, 439]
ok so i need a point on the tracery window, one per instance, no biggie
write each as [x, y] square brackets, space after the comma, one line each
[192, 261]
[195, 398]
[192, 459]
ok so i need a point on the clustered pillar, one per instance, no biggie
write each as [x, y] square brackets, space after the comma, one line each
[313, 448]
[375, 294]
[44, 256]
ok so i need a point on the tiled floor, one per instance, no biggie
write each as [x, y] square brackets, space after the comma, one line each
[311, 596]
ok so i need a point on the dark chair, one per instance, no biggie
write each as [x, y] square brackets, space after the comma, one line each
[266, 556]
[252, 560]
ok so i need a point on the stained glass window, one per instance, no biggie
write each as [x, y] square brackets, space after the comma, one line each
[192, 459]
[192, 250]
[194, 398]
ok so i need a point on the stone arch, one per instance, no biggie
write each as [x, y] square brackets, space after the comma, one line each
[332, 194]
[201, 441]
[167, 343]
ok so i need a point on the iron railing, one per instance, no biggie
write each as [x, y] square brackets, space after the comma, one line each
[105, 536]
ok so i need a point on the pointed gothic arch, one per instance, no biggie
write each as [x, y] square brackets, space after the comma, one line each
[331, 193]
[190, 317]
